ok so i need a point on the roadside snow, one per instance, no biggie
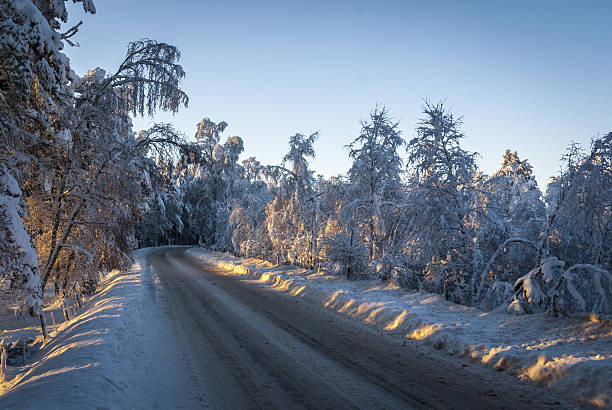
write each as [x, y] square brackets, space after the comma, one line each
[571, 356]
[109, 356]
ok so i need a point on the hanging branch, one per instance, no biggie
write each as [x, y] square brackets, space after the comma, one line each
[71, 32]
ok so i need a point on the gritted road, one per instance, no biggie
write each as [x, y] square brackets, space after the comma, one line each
[248, 346]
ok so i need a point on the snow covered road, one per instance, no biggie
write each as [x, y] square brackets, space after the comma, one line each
[244, 345]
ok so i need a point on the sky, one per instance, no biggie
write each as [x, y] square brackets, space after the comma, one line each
[524, 75]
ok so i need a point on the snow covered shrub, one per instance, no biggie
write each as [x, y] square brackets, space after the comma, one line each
[581, 288]
[433, 277]
[346, 257]
[586, 289]
[250, 249]
[534, 290]
[446, 278]
[88, 285]
[496, 295]
[407, 278]
[398, 269]
[383, 269]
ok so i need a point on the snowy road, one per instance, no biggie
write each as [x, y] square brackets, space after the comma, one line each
[244, 345]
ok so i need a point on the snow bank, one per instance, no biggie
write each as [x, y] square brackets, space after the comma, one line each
[87, 358]
[572, 356]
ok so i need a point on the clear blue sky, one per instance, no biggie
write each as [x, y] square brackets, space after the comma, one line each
[529, 76]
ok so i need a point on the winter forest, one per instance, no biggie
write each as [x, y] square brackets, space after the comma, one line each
[80, 189]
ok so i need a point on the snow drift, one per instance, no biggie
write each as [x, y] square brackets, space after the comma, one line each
[87, 357]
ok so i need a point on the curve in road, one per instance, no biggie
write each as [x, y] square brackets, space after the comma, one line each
[249, 346]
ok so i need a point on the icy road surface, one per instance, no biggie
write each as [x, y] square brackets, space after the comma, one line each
[239, 345]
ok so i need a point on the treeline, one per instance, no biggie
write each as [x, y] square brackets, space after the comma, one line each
[416, 211]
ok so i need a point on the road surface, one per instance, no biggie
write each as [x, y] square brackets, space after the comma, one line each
[247, 346]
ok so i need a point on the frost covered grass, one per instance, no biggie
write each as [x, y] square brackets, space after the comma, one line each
[572, 356]
[85, 358]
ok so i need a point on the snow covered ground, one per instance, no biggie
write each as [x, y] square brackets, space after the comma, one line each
[106, 357]
[571, 356]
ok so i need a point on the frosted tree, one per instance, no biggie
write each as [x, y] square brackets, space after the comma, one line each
[148, 78]
[247, 220]
[252, 169]
[441, 189]
[208, 135]
[209, 184]
[209, 198]
[97, 137]
[579, 228]
[573, 275]
[19, 272]
[291, 217]
[63, 138]
[376, 178]
[34, 76]
[510, 218]
[340, 249]
[233, 188]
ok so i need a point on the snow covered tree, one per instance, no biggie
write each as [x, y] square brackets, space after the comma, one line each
[340, 250]
[62, 148]
[577, 233]
[579, 229]
[34, 77]
[291, 217]
[148, 79]
[441, 189]
[376, 178]
[252, 169]
[19, 272]
[209, 185]
[247, 220]
[208, 135]
[78, 173]
[510, 218]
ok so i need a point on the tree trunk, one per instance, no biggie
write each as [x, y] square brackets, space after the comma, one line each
[55, 251]
[43, 325]
[65, 309]
[75, 312]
